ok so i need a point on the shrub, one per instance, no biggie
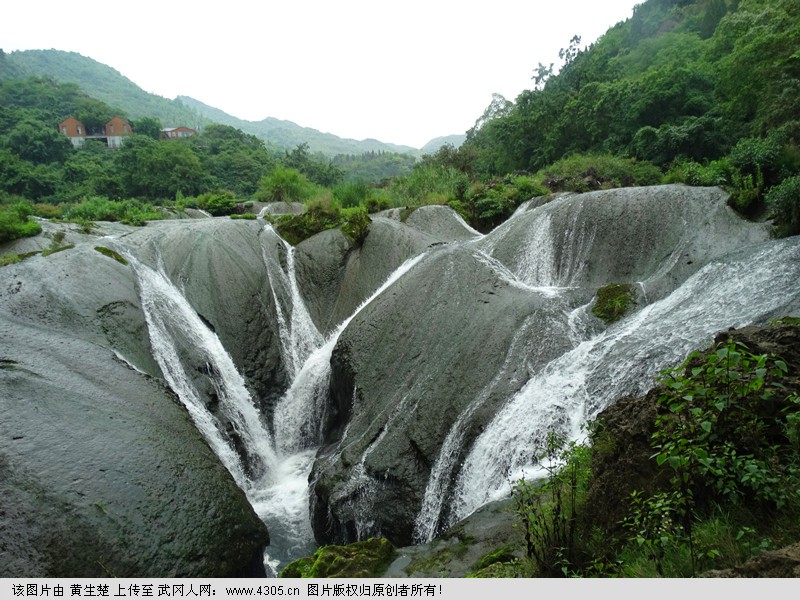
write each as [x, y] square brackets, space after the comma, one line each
[248, 216]
[716, 173]
[16, 222]
[217, 203]
[99, 208]
[728, 434]
[350, 194]
[320, 215]
[284, 185]
[356, 225]
[754, 155]
[783, 202]
[586, 172]
[548, 510]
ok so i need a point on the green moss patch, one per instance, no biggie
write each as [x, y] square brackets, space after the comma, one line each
[505, 554]
[369, 558]
[614, 301]
[111, 254]
[53, 250]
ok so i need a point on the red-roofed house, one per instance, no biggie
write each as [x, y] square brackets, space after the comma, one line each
[112, 133]
[172, 133]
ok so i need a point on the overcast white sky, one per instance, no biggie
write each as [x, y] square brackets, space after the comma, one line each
[401, 72]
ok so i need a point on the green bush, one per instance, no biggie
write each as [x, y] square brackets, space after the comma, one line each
[356, 225]
[754, 155]
[548, 509]
[320, 215]
[783, 202]
[715, 173]
[486, 205]
[351, 193]
[99, 208]
[247, 216]
[284, 184]
[729, 435]
[217, 204]
[16, 222]
[586, 172]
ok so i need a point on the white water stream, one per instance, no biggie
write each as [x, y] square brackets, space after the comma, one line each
[560, 396]
[272, 472]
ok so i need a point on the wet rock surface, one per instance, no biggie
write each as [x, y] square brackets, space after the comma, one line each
[103, 472]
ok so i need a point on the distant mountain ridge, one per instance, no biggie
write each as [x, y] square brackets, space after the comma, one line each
[112, 87]
[288, 134]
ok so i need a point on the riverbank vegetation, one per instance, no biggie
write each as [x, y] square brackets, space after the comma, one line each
[716, 485]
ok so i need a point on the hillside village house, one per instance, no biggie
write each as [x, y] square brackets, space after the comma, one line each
[172, 133]
[112, 133]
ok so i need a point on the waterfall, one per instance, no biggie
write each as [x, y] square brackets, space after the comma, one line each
[298, 335]
[174, 328]
[624, 359]
[298, 415]
[437, 490]
[297, 419]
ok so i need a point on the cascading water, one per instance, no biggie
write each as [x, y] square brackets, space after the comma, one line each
[561, 395]
[174, 325]
[624, 359]
[298, 335]
[298, 415]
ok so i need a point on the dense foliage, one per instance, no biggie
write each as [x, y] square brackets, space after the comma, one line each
[723, 487]
[703, 92]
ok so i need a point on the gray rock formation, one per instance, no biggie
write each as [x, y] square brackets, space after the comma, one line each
[102, 472]
[425, 369]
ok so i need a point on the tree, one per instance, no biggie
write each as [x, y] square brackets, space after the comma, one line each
[149, 126]
[38, 142]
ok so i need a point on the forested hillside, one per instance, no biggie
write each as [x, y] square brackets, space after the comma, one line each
[110, 86]
[703, 92]
[286, 134]
[707, 91]
[100, 82]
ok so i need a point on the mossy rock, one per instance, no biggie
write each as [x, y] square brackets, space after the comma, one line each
[785, 321]
[406, 212]
[368, 558]
[614, 301]
[452, 548]
[497, 570]
[505, 554]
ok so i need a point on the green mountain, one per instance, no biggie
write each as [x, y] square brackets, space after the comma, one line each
[436, 143]
[112, 87]
[101, 82]
[287, 134]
